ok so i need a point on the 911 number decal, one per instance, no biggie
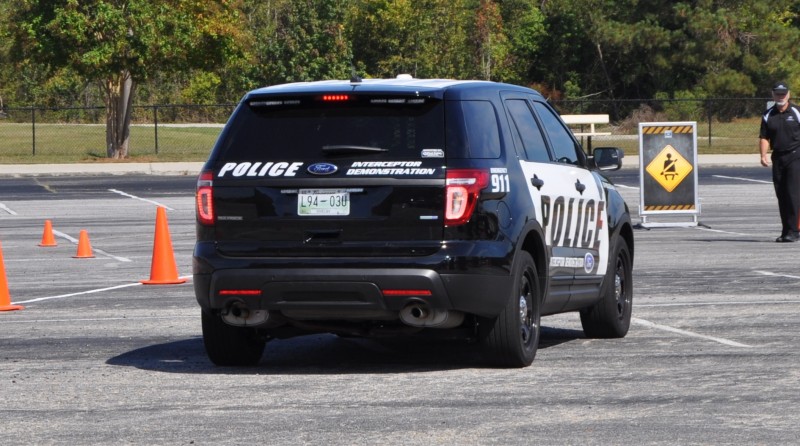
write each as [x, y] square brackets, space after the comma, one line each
[501, 183]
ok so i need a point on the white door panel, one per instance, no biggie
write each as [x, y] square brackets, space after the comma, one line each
[573, 220]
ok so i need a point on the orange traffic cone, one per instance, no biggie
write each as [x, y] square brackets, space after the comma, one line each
[47, 235]
[163, 270]
[84, 247]
[5, 298]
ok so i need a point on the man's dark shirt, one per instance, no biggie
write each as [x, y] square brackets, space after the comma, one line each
[781, 129]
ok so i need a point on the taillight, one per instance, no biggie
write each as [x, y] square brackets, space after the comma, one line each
[406, 293]
[461, 194]
[244, 292]
[335, 98]
[205, 198]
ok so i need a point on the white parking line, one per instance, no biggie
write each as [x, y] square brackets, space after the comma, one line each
[700, 228]
[7, 209]
[712, 338]
[687, 333]
[99, 290]
[742, 179]
[768, 273]
[97, 319]
[124, 194]
[701, 304]
[100, 251]
[61, 296]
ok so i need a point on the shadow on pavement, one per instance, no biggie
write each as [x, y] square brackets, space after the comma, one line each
[327, 354]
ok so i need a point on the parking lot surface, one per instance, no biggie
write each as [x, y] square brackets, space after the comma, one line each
[98, 358]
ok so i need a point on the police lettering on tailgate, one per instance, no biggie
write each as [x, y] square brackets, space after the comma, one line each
[389, 168]
[259, 169]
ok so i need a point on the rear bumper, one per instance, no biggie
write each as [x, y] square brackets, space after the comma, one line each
[341, 289]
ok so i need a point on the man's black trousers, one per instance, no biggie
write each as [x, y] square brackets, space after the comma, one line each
[786, 178]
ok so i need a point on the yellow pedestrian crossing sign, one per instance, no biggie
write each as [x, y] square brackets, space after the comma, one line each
[669, 168]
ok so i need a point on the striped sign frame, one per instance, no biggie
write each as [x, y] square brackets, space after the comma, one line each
[656, 199]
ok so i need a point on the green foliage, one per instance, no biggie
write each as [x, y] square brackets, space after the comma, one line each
[423, 38]
[683, 106]
[566, 49]
[298, 40]
[630, 48]
[492, 45]
[571, 89]
[67, 88]
[526, 31]
[100, 38]
[53, 44]
[212, 51]
[202, 89]
[119, 43]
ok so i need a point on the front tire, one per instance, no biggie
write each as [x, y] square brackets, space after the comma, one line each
[227, 345]
[611, 316]
[513, 337]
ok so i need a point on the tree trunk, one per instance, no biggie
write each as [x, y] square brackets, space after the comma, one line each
[119, 98]
[487, 57]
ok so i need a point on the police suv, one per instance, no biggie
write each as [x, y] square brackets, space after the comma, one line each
[406, 207]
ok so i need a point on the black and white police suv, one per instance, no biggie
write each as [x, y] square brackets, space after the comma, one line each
[404, 206]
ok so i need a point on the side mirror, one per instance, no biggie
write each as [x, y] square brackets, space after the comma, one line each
[607, 158]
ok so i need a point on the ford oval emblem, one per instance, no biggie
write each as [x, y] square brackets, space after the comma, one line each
[322, 169]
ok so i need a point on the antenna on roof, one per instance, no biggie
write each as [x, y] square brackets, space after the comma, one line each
[354, 78]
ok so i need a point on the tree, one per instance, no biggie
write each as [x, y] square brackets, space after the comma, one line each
[489, 39]
[425, 38]
[121, 43]
[634, 49]
[298, 40]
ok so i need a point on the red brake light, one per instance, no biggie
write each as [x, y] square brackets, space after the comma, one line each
[335, 97]
[240, 292]
[205, 198]
[461, 194]
[402, 293]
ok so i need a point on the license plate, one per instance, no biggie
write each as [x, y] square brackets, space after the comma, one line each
[323, 202]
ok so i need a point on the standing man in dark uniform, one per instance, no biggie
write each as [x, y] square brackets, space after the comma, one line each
[780, 131]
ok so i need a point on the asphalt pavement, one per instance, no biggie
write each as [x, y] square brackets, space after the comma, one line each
[98, 358]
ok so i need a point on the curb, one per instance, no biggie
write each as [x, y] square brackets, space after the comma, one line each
[179, 168]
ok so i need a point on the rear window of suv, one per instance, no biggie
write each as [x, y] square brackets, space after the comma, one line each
[302, 127]
[472, 130]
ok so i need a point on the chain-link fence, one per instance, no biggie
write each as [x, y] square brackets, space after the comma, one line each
[188, 132]
[164, 131]
[724, 125]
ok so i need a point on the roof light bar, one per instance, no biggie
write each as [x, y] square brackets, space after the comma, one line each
[397, 101]
[274, 103]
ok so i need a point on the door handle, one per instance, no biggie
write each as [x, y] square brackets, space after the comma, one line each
[580, 187]
[536, 182]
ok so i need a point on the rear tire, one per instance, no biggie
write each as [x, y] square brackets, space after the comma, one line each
[227, 345]
[513, 337]
[611, 316]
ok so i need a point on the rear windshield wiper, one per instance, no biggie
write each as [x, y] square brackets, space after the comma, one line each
[343, 148]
